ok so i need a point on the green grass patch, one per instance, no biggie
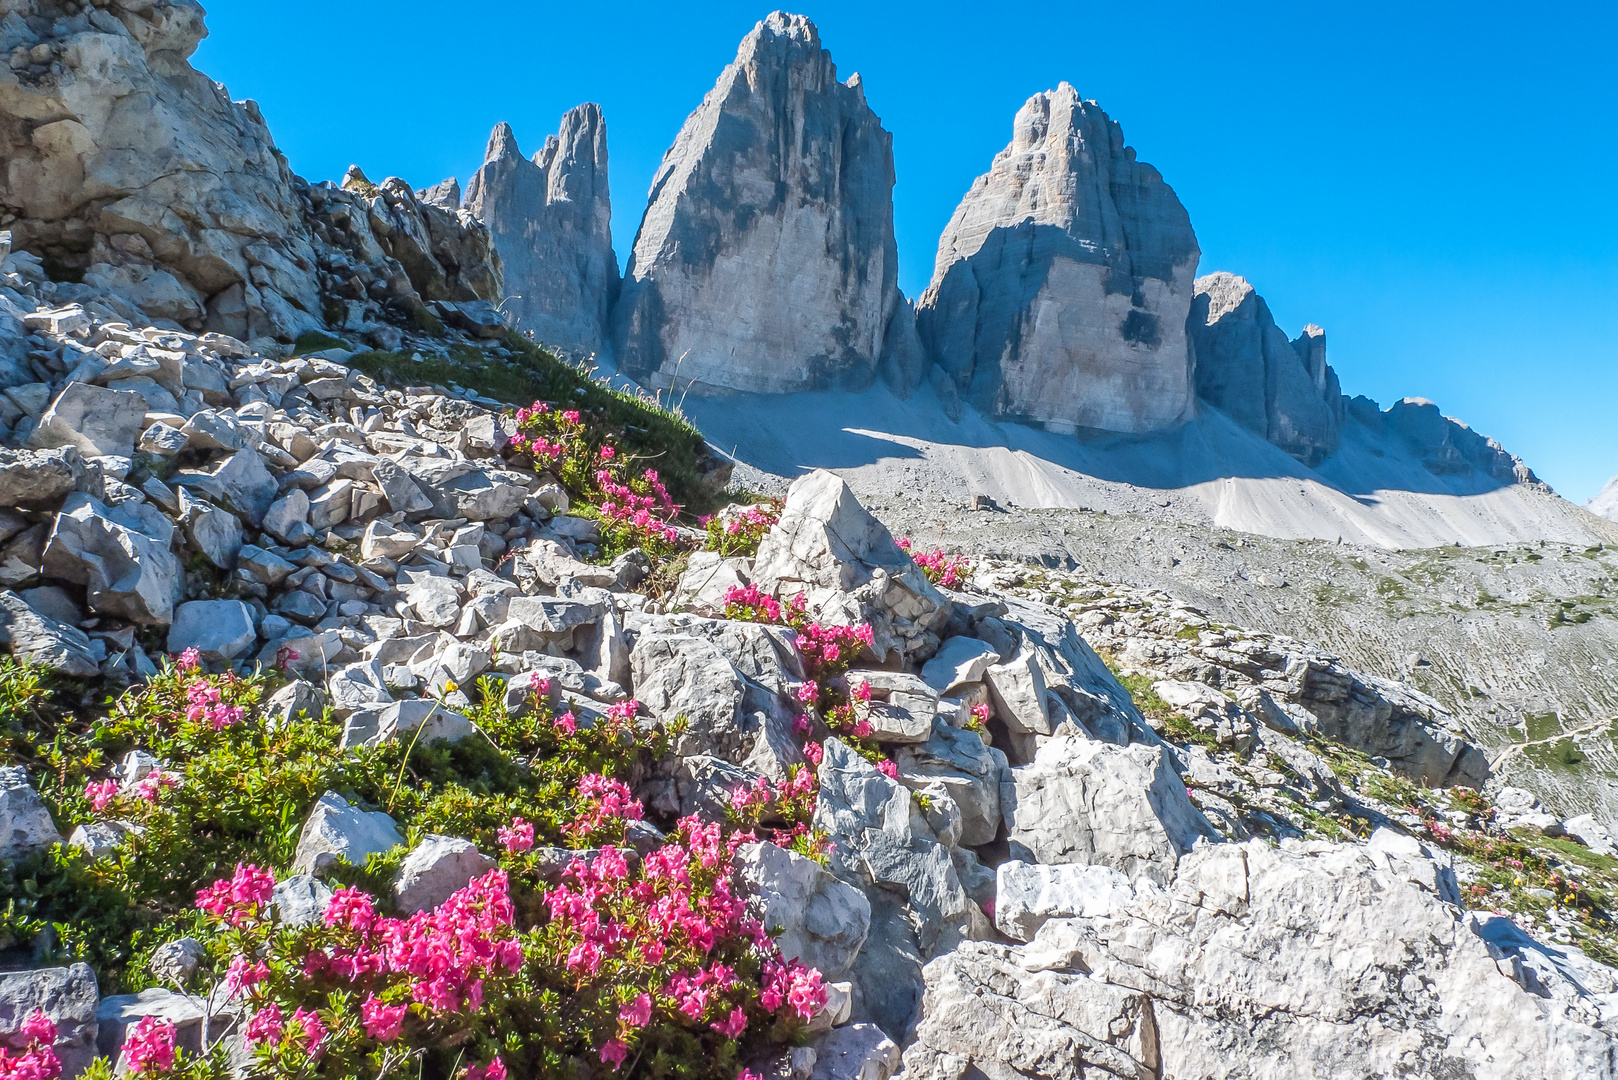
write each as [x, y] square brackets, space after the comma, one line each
[311, 341]
[656, 438]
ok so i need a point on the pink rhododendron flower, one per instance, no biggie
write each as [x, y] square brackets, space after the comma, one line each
[267, 1025]
[314, 1030]
[238, 900]
[190, 659]
[100, 794]
[518, 838]
[244, 976]
[888, 768]
[614, 1052]
[732, 1026]
[38, 1028]
[637, 1013]
[608, 453]
[150, 1046]
[494, 1070]
[567, 723]
[813, 752]
[382, 1022]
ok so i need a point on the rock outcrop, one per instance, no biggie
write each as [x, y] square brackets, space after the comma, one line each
[551, 218]
[127, 165]
[766, 260]
[1312, 959]
[132, 171]
[1281, 390]
[1444, 445]
[1063, 280]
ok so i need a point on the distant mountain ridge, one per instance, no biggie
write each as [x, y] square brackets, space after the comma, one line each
[1063, 296]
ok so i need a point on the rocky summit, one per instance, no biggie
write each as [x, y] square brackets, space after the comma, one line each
[551, 221]
[392, 685]
[766, 259]
[1063, 279]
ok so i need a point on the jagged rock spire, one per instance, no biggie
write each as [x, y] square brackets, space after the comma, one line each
[552, 223]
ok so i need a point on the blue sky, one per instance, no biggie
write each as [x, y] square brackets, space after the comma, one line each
[1436, 185]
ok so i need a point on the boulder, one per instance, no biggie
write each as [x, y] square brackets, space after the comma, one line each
[1308, 959]
[68, 996]
[94, 420]
[241, 482]
[358, 686]
[176, 961]
[1280, 390]
[38, 639]
[970, 771]
[41, 478]
[216, 534]
[300, 900]
[550, 219]
[220, 630]
[849, 569]
[460, 488]
[1028, 895]
[958, 662]
[822, 921]
[120, 554]
[855, 1052]
[435, 869]
[1082, 801]
[1063, 280]
[101, 839]
[766, 259]
[192, 1016]
[336, 830]
[25, 823]
[708, 577]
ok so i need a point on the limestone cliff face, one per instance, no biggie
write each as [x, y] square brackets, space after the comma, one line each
[1063, 280]
[552, 223]
[128, 165]
[1281, 390]
[766, 259]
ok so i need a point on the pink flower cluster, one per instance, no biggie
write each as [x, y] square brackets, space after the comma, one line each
[946, 570]
[37, 1059]
[752, 800]
[447, 953]
[150, 1046]
[238, 900]
[604, 803]
[205, 702]
[155, 783]
[648, 515]
[268, 1025]
[741, 532]
[791, 983]
[519, 837]
[747, 604]
[100, 793]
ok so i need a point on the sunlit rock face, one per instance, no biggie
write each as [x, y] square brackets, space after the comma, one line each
[766, 260]
[1064, 278]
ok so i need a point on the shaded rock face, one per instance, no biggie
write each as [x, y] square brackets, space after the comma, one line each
[1064, 278]
[1281, 390]
[124, 162]
[551, 218]
[1446, 446]
[766, 260]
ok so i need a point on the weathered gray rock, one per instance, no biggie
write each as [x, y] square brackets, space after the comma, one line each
[220, 630]
[100, 839]
[287, 519]
[461, 488]
[967, 769]
[1445, 446]
[92, 419]
[41, 478]
[766, 259]
[216, 534]
[182, 206]
[1313, 959]
[708, 576]
[336, 829]
[358, 686]
[176, 961]
[1280, 390]
[120, 553]
[822, 921]
[959, 660]
[68, 996]
[40, 639]
[25, 823]
[240, 482]
[849, 568]
[1063, 280]
[435, 869]
[300, 900]
[1605, 503]
[855, 1052]
[1082, 801]
[551, 220]
[1028, 895]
